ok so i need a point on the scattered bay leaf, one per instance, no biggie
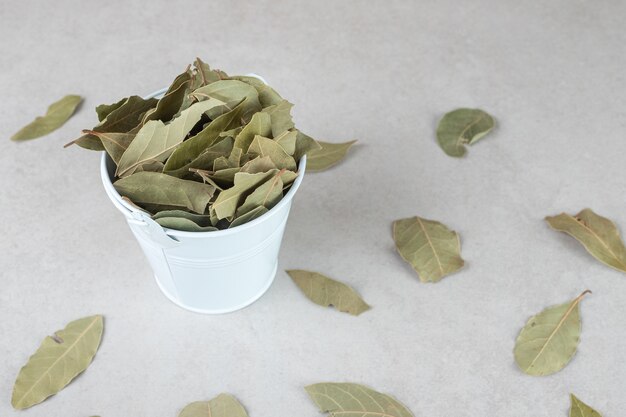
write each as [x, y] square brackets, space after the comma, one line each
[58, 113]
[327, 292]
[580, 409]
[462, 127]
[304, 145]
[59, 359]
[549, 340]
[597, 234]
[224, 405]
[432, 249]
[162, 189]
[355, 400]
[329, 155]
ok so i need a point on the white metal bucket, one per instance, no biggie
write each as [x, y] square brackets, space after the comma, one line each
[209, 272]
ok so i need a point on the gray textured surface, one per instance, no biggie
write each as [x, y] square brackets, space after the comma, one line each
[552, 73]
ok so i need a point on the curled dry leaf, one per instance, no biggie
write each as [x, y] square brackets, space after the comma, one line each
[462, 127]
[329, 155]
[549, 340]
[224, 405]
[597, 234]
[328, 292]
[59, 359]
[580, 409]
[432, 249]
[355, 400]
[58, 113]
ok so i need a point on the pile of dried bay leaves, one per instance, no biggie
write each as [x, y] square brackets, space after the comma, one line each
[214, 152]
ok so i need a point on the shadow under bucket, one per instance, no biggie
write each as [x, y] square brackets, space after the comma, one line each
[209, 272]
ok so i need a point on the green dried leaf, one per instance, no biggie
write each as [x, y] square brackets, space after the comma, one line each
[355, 400]
[224, 405]
[549, 340]
[287, 140]
[432, 249]
[462, 127]
[228, 200]
[59, 359]
[597, 234]
[260, 124]
[205, 74]
[103, 110]
[114, 143]
[268, 194]
[580, 409]
[184, 157]
[304, 145]
[330, 154]
[156, 141]
[169, 105]
[258, 164]
[162, 189]
[186, 225]
[58, 113]
[248, 217]
[231, 91]
[267, 95]
[267, 147]
[123, 119]
[280, 116]
[328, 292]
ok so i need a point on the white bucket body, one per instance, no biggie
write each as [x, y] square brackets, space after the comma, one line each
[209, 272]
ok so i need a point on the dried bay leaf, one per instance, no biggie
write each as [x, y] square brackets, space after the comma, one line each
[103, 110]
[327, 292]
[280, 114]
[202, 220]
[287, 140]
[115, 144]
[267, 195]
[169, 105]
[329, 155]
[262, 146]
[228, 200]
[249, 216]
[155, 141]
[258, 164]
[229, 91]
[597, 234]
[59, 359]
[58, 113]
[205, 74]
[122, 119]
[267, 95]
[432, 249]
[549, 340]
[185, 225]
[580, 409]
[355, 400]
[260, 124]
[165, 190]
[183, 157]
[224, 405]
[304, 145]
[462, 127]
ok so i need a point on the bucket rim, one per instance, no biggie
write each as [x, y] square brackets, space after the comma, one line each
[113, 194]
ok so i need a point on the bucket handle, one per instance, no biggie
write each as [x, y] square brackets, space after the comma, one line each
[153, 231]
